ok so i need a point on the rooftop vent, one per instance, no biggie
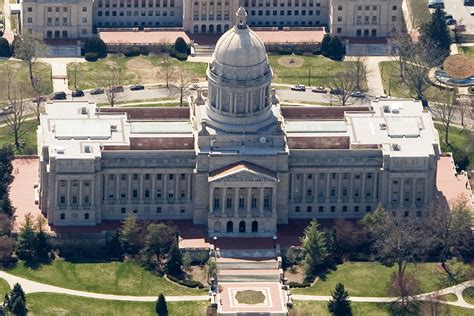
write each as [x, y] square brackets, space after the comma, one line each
[60, 150]
[396, 109]
[386, 108]
[113, 128]
[383, 126]
[396, 147]
[87, 149]
[84, 110]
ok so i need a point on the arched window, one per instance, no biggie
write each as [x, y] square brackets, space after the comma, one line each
[195, 28]
[211, 28]
[217, 227]
[219, 28]
[230, 227]
[254, 227]
[242, 227]
[203, 29]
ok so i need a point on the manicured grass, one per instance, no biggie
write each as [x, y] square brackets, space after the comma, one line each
[250, 297]
[367, 309]
[155, 105]
[48, 304]
[371, 279]
[461, 144]
[140, 69]
[467, 50]
[29, 139]
[123, 278]
[468, 295]
[448, 297]
[21, 75]
[394, 85]
[4, 287]
[419, 12]
[322, 69]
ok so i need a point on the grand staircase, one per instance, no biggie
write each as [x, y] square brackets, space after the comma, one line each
[203, 50]
[249, 270]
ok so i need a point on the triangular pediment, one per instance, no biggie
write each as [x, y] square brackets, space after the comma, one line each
[243, 172]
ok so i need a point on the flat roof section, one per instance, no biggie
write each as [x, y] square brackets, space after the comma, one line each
[301, 126]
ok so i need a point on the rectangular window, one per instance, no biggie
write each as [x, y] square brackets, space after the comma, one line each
[86, 215]
[333, 209]
[309, 209]
[158, 210]
[135, 194]
[266, 201]
[183, 176]
[147, 176]
[123, 210]
[241, 202]
[344, 208]
[368, 208]
[228, 202]
[321, 209]
[147, 194]
[216, 203]
[62, 216]
[158, 177]
[356, 208]
[171, 176]
[254, 202]
[297, 209]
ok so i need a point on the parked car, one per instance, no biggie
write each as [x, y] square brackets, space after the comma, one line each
[335, 91]
[358, 94]
[436, 4]
[117, 89]
[448, 16]
[77, 93]
[60, 95]
[137, 87]
[97, 91]
[320, 90]
[194, 87]
[6, 110]
[451, 22]
[468, 2]
[382, 96]
[472, 13]
[298, 87]
[39, 99]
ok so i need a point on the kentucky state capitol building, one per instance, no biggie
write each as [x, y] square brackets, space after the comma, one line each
[235, 160]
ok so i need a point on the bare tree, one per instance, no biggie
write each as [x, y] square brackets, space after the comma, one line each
[112, 85]
[39, 90]
[403, 49]
[464, 106]
[343, 84]
[181, 84]
[167, 69]
[404, 287]
[28, 48]
[358, 69]
[433, 306]
[16, 114]
[445, 112]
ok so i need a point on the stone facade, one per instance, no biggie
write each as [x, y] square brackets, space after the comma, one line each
[235, 161]
[57, 19]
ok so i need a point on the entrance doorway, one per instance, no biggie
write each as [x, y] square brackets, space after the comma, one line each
[242, 227]
[254, 227]
[230, 227]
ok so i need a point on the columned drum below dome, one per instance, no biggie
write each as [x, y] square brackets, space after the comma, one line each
[239, 77]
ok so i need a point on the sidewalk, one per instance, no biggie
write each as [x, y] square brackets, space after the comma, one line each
[59, 71]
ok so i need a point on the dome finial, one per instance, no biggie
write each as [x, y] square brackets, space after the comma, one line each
[241, 18]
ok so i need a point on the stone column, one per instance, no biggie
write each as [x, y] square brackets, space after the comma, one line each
[141, 186]
[176, 187]
[56, 189]
[260, 200]
[68, 193]
[249, 201]
[413, 193]
[153, 186]
[189, 188]
[339, 188]
[117, 187]
[363, 189]
[274, 199]
[402, 192]
[165, 187]
[303, 195]
[351, 187]
[129, 196]
[80, 193]
[211, 200]
[375, 186]
[92, 192]
[106, 187]
[328, 182]
[236, 202]
[223, 201]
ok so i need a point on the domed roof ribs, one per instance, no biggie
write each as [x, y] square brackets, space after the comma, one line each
[241, 18]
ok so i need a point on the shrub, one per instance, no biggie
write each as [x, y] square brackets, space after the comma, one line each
[325, 45]
[178, 55]
[336, 49]
[298, 285]
[91, 56]
[285, 50]
[131, 52]
[144, 50]
[186, 282]
[5, 48]
[180, 46]
[1, 33]
[95, 45]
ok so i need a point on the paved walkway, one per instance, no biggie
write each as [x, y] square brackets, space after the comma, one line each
[37, 287]
[59, 71]
[374, 77]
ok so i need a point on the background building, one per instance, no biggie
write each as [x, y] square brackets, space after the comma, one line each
[235, 161]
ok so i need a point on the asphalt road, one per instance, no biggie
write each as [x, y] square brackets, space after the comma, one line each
[461, 13]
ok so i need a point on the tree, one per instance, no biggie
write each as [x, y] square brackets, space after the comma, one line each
[175, 260]
[314, 251]
[17, 115]
[396, 239]
[161, 306]
[16, 301]
[180, 46]
[464, 107]
[167, 69]
[129, 235]
[358, 69]
[211, 269]
[95, 45]
[352, 236]
[332, 246]
[445, 112]
[158, 241]
[187, 261]
[403, 48]
[5, 50]
[343, 84]
[404, 287]
[181, 84]
[6, 169]
[28, 48]
[435, 33]
[336, 49]
[339, 304]
[325, 45]
[112, 85]
[42, 244]
[26, 242]
[7, 245]
[39, 90]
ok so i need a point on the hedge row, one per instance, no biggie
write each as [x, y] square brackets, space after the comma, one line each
[186, 282]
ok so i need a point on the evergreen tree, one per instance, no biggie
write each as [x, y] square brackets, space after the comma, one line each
[339, 304]
[161, 306]
[314, 249]
[95, 45]
[332, 246]
[336, 49]
[435, 33]
[325, 45]
[16, 302]
[19, 307]
[26, 244]
[5, 50]
[129, 235]
[180, 46]
[175, 260]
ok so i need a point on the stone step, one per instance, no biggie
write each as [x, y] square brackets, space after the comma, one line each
[248, 265]
[248, 276]
[247, 253]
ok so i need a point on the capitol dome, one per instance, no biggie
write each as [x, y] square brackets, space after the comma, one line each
[239, 78]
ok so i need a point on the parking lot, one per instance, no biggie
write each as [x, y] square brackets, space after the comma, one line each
[461, 13]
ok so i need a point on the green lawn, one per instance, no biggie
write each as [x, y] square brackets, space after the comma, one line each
[4, 287]
[322, 69]
[370, 279]
[461, 145]
[21, 74]
[394, 85]
[419, 11]
[6, 137]
[448, 297]
[467, 50]
[155, 105]
[365, 309]
[140, 69]
[48, 304]
[123, 278]
[468, 295]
